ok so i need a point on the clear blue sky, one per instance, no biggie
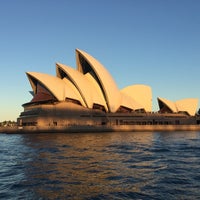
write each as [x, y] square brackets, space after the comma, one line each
[153, 42]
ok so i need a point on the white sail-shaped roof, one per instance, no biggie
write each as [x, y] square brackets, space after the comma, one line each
[78, 80]
[170, 104]
[55, 85]
[86, 63]
[188, 105]
[72, 92]
[92, 86]
[85, 84]
[130, 103]
[141, 94]
[97, 95]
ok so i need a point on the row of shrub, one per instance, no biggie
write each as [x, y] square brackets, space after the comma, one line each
[8, 123]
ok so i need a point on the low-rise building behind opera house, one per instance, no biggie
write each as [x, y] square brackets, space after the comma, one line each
[88, 99]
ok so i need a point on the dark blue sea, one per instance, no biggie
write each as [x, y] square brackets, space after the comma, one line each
[95, 166]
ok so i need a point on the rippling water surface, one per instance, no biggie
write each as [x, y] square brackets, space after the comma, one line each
[100, 166]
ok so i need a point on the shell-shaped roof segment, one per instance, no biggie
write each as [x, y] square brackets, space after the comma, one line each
[71, 92]
[141, 94]
[86, 63]
[55, 85]
[169, 104]
[86, 86]
[97, 95]
[188, 105]
[78, 80]
[130, 103]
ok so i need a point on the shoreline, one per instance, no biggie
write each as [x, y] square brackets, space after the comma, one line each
[96, 129]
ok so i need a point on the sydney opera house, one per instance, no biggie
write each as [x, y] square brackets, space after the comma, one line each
[87, 98]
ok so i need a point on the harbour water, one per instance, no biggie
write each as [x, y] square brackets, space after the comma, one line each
[129, 165]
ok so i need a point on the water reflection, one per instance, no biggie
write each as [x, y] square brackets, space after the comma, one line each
[108, 165]
[88, 165]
